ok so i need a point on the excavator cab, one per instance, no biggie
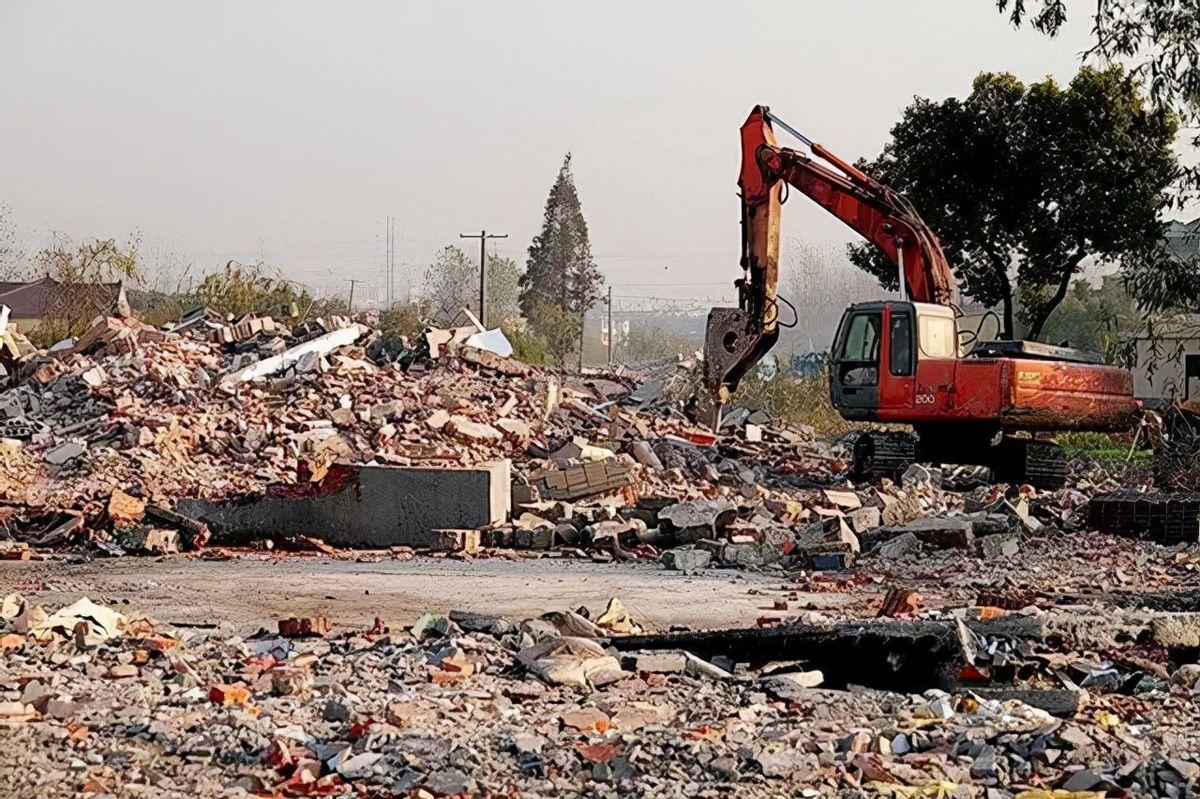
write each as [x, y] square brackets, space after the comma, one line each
[894, 355]
[854, 368]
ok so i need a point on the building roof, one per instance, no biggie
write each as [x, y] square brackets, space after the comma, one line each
[35, 298]
[27, 299]
[1184, 238]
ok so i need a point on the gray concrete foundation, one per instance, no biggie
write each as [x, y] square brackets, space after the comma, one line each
[368, 506]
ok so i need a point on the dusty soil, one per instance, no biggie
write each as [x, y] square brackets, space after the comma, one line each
[157, 711]
[251, 592]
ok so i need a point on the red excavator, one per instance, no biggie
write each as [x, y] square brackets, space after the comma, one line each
[905, 361]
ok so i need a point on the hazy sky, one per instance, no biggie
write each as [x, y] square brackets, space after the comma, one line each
[289, 130]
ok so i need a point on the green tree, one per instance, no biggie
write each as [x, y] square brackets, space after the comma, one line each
[1096, 318]
[451, 282]
[561, 282]
[405, 318]
[1023, 185]
[1159, 42]
[1167, 279]
[527, 346]
[503, 291]
[1156, 38]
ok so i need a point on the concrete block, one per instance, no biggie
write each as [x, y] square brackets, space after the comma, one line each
[1055, 701]
[660, 662]
[696, 519]
[794, 685]
[900, 547]
[68, 450]
[1000, 545]
[864, 518]
[942, 533]
[370, 506]
[686, 559]
[984, 524]
[750, 554]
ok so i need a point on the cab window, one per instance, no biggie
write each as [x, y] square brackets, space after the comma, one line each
[937, 337]
[861, 343]
[900, 360]
[858, 355]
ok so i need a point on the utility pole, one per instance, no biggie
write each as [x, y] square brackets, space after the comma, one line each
[389, 259]
[483, 236]
[350, 304]
[610, 328]
[391, 287]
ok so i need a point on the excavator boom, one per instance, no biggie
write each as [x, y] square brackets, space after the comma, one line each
[737, 338]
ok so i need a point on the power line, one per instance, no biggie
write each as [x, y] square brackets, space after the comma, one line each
[267, 254]
[663, 255]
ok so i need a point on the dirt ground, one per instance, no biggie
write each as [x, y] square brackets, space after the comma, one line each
[251, 592]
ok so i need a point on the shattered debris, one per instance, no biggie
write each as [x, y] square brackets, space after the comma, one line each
[935, 636]
[478, 704]
[144, 434]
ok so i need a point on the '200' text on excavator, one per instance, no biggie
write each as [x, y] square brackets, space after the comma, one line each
[903, 361]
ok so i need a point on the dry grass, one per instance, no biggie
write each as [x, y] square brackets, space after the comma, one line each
[795, 400]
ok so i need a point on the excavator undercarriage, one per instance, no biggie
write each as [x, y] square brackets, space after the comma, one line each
[888, 453]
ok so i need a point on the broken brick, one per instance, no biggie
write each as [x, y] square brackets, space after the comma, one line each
[303, 627]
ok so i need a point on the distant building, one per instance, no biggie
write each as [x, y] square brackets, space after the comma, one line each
[1168, 365]
[31, 302]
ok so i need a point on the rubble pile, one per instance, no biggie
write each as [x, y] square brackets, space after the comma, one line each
[110, 431]
[933, 636]
[177, 416]
[100, 703]
[107, 434]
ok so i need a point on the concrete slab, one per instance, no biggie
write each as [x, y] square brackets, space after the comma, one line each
[369, 506]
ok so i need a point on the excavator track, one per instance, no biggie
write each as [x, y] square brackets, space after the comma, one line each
[883, 453]
[878, 453]
[1046, 465]
[1041, 464]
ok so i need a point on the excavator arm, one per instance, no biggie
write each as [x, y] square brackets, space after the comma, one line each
[737, 338]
